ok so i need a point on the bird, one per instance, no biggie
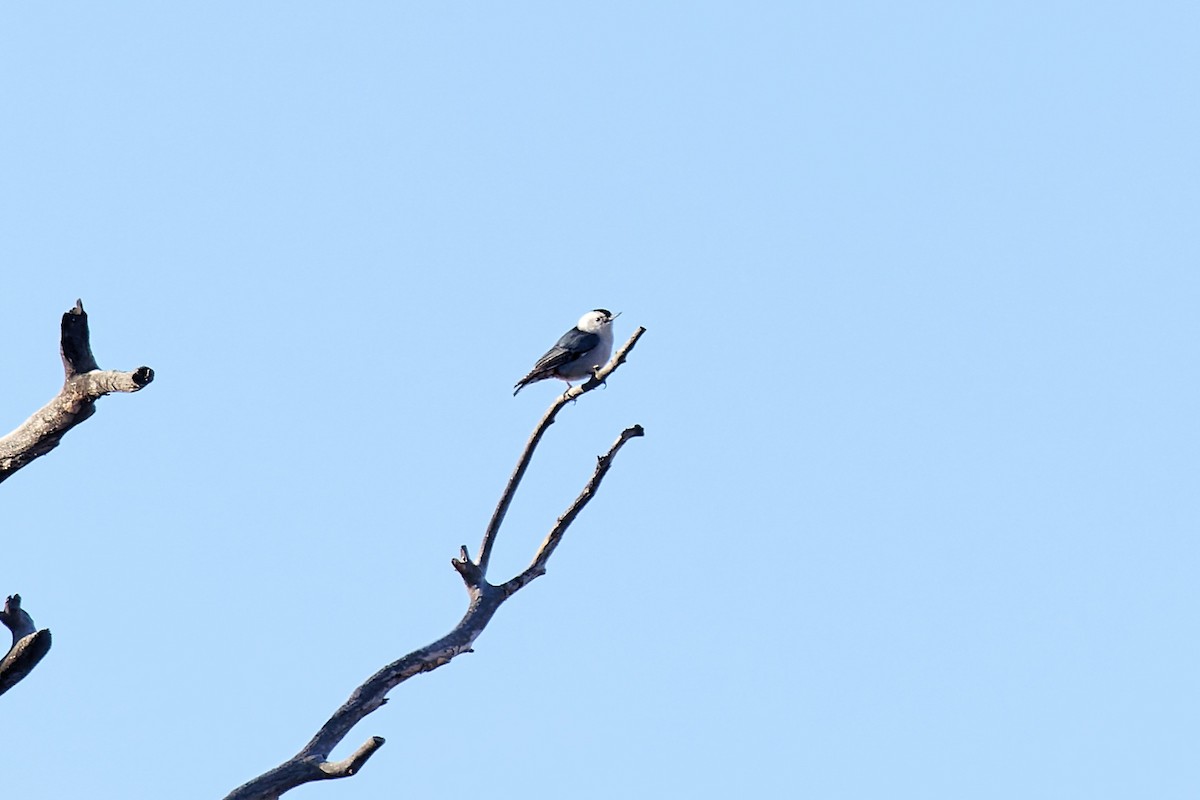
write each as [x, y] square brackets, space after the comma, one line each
[578, 353]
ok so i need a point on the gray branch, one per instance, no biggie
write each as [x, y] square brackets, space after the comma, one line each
[538, 567]
[312, 762]
[493, 528]
[85, 384]
[28, 643]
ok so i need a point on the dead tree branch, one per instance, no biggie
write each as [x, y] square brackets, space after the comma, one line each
[538, 567]
[85, 384]
[311, 763]
[493, 528]
[28, 644]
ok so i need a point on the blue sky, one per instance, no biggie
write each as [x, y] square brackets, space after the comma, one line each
[915, 514]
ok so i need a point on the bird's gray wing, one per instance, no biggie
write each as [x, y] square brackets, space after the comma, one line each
[573, 344]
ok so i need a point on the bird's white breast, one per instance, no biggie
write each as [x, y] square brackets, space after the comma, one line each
[597, 357]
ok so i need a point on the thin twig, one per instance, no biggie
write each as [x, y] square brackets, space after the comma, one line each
[538, 566]
[493, 528]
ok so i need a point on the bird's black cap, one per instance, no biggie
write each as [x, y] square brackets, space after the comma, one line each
[603, 311]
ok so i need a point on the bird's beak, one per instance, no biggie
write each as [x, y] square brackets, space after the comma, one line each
[614, 316]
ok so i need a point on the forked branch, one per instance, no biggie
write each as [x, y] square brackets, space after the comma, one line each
[28, 643]
[538, 567]
[572, 394]
[85, 383]
[312, 762]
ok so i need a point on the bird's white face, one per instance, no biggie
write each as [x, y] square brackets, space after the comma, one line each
[595, 321]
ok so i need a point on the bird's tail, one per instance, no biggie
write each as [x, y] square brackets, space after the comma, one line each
[532, 377]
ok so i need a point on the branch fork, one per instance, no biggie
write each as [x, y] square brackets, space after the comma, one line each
[84, 383]
[29, 644]
[485, 598]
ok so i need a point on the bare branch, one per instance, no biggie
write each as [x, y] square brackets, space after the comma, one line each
[493, 528]
[351, 765]
[76, 345]
[538, 567]
[28, 645]
[312, 762]
[85, 384]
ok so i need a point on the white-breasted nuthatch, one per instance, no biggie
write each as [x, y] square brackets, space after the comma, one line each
[578, 353]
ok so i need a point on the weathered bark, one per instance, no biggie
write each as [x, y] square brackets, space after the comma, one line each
[28, 644]
[311, 763]
[85, 384]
